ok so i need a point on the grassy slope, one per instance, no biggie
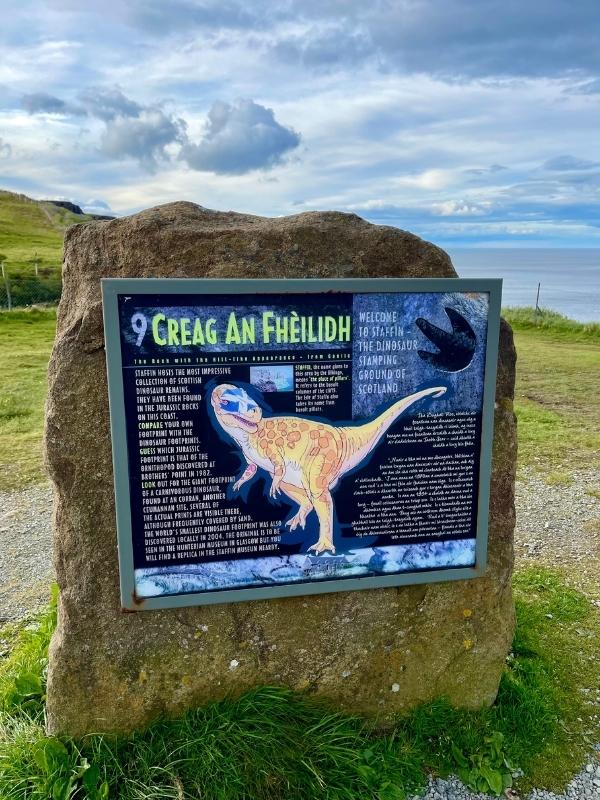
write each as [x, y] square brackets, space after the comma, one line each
[28, 227]
[25, 341]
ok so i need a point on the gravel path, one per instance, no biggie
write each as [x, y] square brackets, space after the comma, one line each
[560, 525]
[556, 525]
[25, 551]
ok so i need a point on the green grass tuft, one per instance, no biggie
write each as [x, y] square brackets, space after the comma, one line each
[272, 744]
[558, 478]
[23, 672]
[551, 322]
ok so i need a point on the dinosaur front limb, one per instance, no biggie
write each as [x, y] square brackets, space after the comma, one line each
[278, 462]
[324, 507]
[248, 473]
[299, 496]
[275, 486]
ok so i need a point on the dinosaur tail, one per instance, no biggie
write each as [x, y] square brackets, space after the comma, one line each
[361, 439]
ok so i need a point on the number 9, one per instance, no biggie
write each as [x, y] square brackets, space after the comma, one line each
[139, 323]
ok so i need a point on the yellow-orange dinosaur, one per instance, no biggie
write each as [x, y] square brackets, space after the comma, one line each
[306, 458]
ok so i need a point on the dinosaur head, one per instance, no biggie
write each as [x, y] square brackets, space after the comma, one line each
[235, 409]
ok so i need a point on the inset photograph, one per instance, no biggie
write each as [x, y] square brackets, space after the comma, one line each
[273, 378]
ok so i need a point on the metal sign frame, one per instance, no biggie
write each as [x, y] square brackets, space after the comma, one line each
[112, 288]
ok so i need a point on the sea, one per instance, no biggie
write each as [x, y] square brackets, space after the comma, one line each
[569, 279]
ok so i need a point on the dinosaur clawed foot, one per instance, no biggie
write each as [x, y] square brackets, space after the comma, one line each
[298, 519]
[321, 546]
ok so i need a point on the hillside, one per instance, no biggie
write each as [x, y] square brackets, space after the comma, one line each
[32, 230]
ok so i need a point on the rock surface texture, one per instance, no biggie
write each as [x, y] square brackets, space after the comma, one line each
[373, 652]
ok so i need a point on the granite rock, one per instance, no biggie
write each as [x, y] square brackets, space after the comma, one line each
[371, 652]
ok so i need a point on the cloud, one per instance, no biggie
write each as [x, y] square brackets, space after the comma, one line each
[590, 87]
[143, 137]
[164, 16]
[96, 202]
[325, 48]
[96, 206]
[429, 179]
[568, 163]
[240, 137]
[42, 103]
[460, 208]
[5, 149]
[408, 109]
[99, 102]
[108, 103]
[457, 38]
[131, 130]
[492, 169]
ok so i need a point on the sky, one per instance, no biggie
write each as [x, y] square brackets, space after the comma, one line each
[468, 122]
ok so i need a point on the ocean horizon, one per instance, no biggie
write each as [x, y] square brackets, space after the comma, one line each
[569, 278]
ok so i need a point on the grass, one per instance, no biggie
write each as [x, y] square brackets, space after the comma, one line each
[31, 242]
[32, 231]
[553, 323]
[25, 341]
[559, 479]
[272, 744]
[558, 374]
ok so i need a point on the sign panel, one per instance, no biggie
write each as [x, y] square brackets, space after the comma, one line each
[291, 437]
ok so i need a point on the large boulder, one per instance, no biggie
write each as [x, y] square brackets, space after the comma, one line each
[374, 652]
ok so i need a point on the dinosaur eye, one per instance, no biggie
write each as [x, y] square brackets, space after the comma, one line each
[229, 405]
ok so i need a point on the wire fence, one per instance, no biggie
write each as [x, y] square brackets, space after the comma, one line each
[28, 286]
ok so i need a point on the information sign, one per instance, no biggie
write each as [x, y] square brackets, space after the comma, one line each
[285, 437]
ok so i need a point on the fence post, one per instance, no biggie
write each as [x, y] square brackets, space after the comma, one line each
[7, 287]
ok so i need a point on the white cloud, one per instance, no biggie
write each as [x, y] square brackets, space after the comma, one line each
[460, 208]
[144, 137]
[569, 163]
[429, 179]
[239, 138]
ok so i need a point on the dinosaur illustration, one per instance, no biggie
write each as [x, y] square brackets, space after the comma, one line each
[306, 458]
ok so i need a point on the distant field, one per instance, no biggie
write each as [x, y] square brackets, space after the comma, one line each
[32, 231]
[25, 341]
[556, 396]
[556, 400]
[31, 241]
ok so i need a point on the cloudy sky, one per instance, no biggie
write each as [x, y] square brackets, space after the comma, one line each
[470, 122]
